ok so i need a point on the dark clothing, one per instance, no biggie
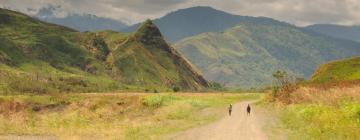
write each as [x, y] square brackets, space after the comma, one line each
[230, 109]
[248, 109]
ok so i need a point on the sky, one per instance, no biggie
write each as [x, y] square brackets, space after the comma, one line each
[298, 12]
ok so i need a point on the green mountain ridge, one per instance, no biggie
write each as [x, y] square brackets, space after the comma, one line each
[246, 55]
[339, 70]
[38, 57]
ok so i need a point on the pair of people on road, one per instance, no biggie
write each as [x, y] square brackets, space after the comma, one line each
[248, 109]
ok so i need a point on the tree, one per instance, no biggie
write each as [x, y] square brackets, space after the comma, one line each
[280, 77]
[216, 86]
[283, 86]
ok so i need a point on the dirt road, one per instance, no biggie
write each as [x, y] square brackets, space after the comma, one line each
[238, 126]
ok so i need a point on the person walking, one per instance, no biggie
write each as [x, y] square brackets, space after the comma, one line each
[248, 109]
[230, 109]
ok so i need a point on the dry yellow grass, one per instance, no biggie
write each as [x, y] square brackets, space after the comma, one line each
[110, 116]
[325, 96]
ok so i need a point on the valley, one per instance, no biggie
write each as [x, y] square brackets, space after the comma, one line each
[68, 74]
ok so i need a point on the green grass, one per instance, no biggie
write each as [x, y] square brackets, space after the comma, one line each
[313, 122]
[319, 113]
[115, 116]
[342, 70]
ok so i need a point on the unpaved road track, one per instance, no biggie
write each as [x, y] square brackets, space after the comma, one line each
[238, 126]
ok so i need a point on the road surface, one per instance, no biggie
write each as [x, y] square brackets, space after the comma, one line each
[238, 126]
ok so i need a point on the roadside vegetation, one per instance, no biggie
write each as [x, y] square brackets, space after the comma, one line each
[110, 116]
[315, 111]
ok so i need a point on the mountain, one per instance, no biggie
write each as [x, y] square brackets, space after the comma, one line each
[337, 31]
[80, 22]
[192, 21]
[339, 70]
[39, 57]
[246, 55]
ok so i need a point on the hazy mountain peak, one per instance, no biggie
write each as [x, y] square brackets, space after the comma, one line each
[337, 31]
[78, 21]
[206, 10]
[196, 20]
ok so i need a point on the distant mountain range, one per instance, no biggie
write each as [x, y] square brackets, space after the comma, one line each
[39, 57]
[236, 51]
[80, 22]
[246, 55]
[337, 31]
[196, 20]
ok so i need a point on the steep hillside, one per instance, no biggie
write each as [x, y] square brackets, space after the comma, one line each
[146, 59]
[247, 55]
[192, 21]
[340, 70]
[80, 22]
[38, 57]
[337, 31]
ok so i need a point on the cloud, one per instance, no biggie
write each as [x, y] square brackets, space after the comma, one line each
[299, 12]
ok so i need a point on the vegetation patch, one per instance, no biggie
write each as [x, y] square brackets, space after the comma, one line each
[110, 116]
[317, 113]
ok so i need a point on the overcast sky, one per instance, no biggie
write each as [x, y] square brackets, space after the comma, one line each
[299, 12]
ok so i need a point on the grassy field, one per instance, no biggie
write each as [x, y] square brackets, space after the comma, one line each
[322, 114]
[111, 116]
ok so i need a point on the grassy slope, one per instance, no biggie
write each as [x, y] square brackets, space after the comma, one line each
[322, 114]
[154, 62]
[247, 55]
[323, 111]
[38, 57]
[341, 70]
[120, 116]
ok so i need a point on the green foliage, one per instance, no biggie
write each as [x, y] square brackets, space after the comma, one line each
[158, 100]
[216, 86]
[176, 88]
[98, 47]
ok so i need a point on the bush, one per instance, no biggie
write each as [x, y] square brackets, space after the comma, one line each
[284, 85]
[157, 100]
[216, 86]
[176, 89]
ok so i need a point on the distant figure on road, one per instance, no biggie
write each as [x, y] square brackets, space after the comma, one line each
[248, 109]
[230, 109]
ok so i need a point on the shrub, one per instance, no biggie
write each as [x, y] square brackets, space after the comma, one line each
[284, 85]
[216, 86]
[158, 100]
[176, 89]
